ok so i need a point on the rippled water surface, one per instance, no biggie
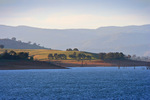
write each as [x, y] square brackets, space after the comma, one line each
[86, 83]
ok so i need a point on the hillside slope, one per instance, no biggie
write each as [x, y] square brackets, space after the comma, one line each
[8, 43]
[42, 54]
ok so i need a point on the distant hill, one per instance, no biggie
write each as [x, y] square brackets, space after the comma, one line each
[128, 39]
[13, 44]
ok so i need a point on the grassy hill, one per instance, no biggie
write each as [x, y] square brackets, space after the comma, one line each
[42, 54]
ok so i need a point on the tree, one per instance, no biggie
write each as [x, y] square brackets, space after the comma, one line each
[121, 55]
[73, 56]
[23, 55]
[13, 38]
[1, 46]
[89, 57]
[75, 49]
[13, 53]
[32, 57]
[81, 56]
[69, 49]
[62, 56]
[109, 55]
[50, 56]
[20, 41]
[116, 55]
[5, 55]
[134, 56]
[29, 42]
[56, 56]
[129, 56]
[34, 44]
[102, 56]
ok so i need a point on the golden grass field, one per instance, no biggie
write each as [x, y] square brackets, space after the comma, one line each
[42, 54]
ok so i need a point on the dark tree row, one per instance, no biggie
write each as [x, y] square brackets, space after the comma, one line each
[111, 56]
[80, 56]
[74, 56]
[57, 56]
[12, 55]
[75, 49]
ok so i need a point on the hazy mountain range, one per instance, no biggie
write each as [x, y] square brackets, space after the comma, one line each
[128, 39]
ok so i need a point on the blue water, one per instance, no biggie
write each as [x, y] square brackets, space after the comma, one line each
[88, 83]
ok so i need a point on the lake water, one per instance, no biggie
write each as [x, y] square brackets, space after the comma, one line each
[88, 83]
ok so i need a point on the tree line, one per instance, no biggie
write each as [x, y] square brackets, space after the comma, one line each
[83, 56]
[80, 56]
[74, 56]
[57, 56]
[12, 55]
[75, 49]
[112, 56]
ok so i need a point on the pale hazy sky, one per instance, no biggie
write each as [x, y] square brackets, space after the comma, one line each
[64, 14]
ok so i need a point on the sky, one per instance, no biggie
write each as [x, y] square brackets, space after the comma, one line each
[66, 14]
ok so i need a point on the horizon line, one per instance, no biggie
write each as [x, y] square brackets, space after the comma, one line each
[70, 28]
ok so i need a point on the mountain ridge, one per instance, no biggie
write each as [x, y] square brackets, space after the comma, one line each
[94, 40]
[78, 28]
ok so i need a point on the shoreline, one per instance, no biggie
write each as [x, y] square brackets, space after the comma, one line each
[25, 64]
[148, 67]
[63, 64]
[100, 63]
